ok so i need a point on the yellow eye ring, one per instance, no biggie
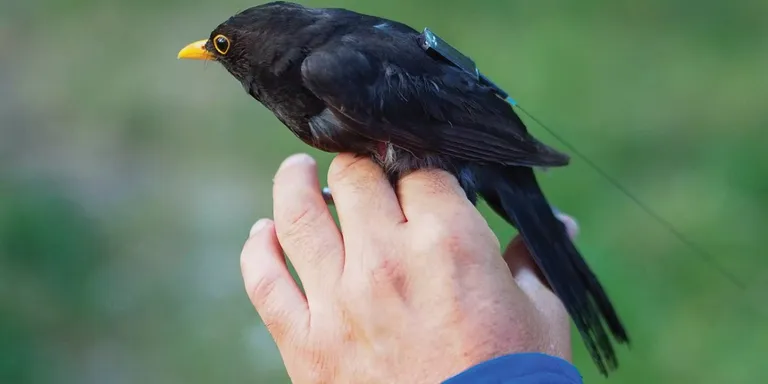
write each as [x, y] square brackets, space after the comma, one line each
[221, 43]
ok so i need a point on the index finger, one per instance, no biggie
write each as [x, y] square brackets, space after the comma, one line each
[305, 227]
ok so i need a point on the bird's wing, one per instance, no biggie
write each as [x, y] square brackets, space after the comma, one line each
[402, 96]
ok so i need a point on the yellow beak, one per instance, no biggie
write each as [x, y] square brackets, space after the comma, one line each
[195, 51]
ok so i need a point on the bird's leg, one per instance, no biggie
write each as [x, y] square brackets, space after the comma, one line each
[327, 196]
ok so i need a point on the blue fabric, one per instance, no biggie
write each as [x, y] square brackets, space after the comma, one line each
[520, 368]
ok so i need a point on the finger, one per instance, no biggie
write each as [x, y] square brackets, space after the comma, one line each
[271, 288]
[363, 196]
[532, 282]
[527, 274]
[431, 192]
[554, 316]
[521, 264]
[304, 225]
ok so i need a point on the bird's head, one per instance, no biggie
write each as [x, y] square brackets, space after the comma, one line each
[252, 39]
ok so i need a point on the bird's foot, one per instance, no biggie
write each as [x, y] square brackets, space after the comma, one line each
[327, 195]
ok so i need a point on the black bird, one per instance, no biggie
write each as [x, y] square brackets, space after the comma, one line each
[347, 82]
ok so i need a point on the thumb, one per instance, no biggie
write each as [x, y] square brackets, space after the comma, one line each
[532, 282]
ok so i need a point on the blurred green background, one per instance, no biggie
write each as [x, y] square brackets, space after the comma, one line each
[129, 179]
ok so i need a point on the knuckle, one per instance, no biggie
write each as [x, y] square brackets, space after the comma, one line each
[446, 238]
[438, 233]
[433, 181]
[454, 244]
[460, 248]
[479, 230]
[263, 295]
[388, 272]
[441, 182]
[297, 218]
[261, 291]
[298, 231]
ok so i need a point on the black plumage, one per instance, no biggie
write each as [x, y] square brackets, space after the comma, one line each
[347, 82]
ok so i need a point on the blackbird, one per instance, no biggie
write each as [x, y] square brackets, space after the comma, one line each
[342, 81]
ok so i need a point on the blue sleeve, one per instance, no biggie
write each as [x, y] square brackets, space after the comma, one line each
[520, 368]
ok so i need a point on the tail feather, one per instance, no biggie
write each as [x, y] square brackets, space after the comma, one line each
[514, 194]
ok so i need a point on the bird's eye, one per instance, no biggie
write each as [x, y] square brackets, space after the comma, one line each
[221, 43]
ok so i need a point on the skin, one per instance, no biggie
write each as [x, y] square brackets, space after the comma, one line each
[414, 291]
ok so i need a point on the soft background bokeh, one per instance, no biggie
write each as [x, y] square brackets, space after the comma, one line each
[129, 179]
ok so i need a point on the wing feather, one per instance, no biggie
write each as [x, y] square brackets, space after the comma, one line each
[390, 90]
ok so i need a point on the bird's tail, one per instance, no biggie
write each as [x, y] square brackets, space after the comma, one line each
[514, 193]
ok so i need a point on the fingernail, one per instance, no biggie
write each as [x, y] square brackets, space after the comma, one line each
[299, 158]
[571, 225]
[257, 227]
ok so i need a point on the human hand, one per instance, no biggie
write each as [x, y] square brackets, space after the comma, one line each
[413, 289]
